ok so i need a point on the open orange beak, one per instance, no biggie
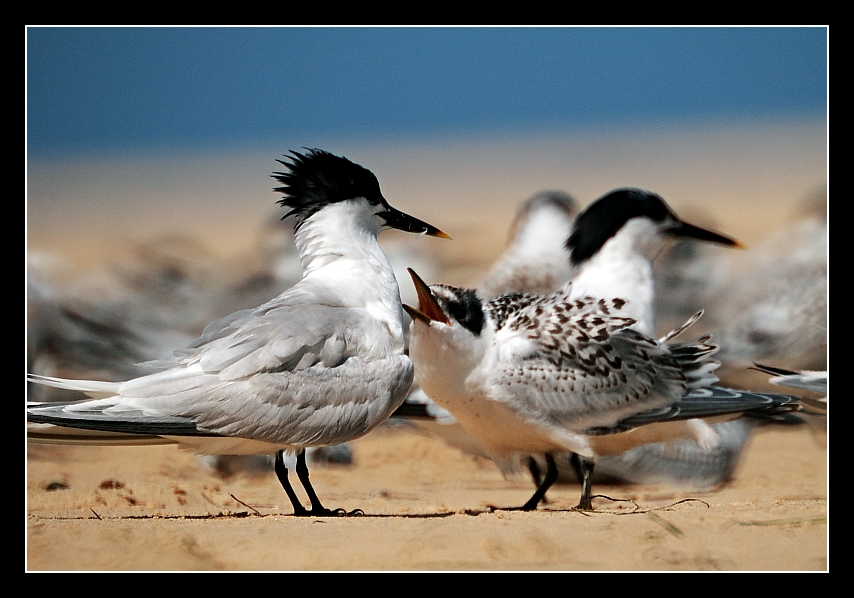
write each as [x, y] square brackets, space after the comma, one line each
[428, 308]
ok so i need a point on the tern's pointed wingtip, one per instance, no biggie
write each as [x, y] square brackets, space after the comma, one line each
[767, 369]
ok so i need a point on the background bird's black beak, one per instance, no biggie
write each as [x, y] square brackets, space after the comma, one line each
[683, 229]
[401, 221]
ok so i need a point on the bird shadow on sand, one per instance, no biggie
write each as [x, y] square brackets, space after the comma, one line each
[252, 512]
[634, 509]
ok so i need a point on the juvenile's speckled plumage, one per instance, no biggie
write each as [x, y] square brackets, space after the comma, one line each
[607, 251]
[545, 375]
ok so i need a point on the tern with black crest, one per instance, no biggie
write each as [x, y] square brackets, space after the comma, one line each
[321, 364]
[613, 243]
[608, 246]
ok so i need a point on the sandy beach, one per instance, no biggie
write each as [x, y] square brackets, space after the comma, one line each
[426, 509]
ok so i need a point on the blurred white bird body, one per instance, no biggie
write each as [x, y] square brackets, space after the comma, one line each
[766, 305]
[773, 306]
[535, 260]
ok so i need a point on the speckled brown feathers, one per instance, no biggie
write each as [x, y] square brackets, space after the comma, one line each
[578, 359]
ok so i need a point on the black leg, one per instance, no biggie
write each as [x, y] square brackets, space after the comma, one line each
[282, 474]
[316, 507]
[548, 480]
[536, 474]
[542, 486]
[584, 468]
[302, 474]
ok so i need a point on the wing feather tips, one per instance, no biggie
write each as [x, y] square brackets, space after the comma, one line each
[132, 422]
[711, 402]
[93, 388]
[66, 436]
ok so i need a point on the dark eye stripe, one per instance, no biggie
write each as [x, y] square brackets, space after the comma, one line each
[463, 305]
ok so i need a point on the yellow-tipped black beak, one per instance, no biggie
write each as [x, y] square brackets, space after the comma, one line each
[402, 221]
[429, 309]
[683, 229]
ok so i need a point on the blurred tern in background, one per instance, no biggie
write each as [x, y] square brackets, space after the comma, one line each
[535, 258]
[614, 242]
[812, 381]
[321, 364]
[807, 380]
[773, 306]
[766, 305]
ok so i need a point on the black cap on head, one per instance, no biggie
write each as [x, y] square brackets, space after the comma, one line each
[604, 218]
[317, 178]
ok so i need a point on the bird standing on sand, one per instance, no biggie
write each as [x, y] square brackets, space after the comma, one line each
[547, 375]
[610, 245]
[321, 364]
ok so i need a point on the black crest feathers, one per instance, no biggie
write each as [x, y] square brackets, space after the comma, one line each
[317, 178]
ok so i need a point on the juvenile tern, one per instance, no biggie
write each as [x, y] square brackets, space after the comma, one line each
[545, 375]
[321, 364]
[609, 245]
[534, 261]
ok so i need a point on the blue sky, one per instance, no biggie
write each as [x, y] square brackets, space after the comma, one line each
[103, 90]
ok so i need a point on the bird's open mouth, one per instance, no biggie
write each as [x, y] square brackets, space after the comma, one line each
[428, 308]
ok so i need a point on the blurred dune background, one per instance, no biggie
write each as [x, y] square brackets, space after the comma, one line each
[729, 173]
